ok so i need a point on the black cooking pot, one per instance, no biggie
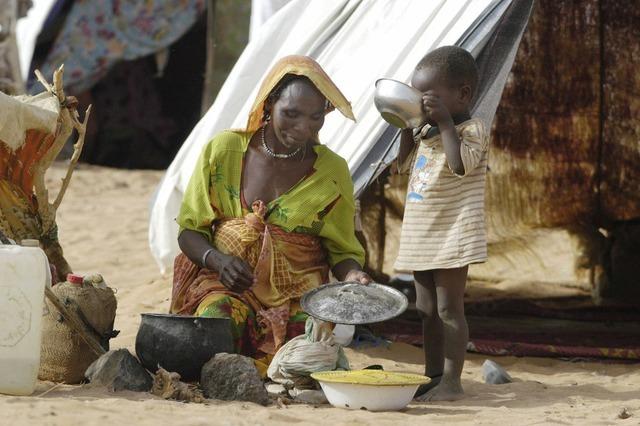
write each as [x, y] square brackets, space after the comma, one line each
[181, 343]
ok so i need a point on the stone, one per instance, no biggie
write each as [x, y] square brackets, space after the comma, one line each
[275, 389]
[232, 377]
[119, 370]
[308, 396]
[494, 374]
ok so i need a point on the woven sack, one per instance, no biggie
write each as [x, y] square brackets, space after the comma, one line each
[64, 355]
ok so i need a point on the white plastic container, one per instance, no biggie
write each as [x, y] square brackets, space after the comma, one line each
[343, 334]
[24, 273]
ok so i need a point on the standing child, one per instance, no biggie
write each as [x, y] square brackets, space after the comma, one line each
[443, 229]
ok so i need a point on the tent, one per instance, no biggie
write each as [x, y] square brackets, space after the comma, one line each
[261, 11]
[133, 61]
[357, 42]
[90, 38]
[10, 78]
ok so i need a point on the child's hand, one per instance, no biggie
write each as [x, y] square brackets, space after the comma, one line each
[435, 109]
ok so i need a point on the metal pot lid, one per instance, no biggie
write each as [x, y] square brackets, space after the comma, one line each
[354, 303]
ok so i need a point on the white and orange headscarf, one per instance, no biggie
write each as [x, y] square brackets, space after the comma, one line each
[304, 66]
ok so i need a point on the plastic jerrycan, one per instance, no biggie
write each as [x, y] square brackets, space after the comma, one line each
[24, 273]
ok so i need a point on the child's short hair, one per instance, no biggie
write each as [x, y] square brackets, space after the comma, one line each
[456, 64]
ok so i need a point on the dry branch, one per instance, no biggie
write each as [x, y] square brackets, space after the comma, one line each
[69, 116]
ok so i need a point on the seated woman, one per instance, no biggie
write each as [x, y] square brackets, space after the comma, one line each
[267, 212]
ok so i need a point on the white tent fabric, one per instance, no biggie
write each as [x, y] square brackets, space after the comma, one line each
[356, 42]
[27, 30]
[261, 11]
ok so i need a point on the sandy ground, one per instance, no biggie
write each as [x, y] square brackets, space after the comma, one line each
[103, 228]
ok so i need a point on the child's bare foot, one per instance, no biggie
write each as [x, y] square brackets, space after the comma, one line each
[423, 389]
[444, 391]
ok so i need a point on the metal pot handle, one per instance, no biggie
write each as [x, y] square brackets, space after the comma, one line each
[197, 323]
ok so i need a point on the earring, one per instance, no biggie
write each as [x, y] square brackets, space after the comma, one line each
[328, 106]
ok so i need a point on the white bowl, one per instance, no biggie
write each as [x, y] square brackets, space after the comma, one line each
[373, 390]
[369, 397]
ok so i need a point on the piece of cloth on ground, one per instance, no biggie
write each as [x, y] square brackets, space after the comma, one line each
[314, 351]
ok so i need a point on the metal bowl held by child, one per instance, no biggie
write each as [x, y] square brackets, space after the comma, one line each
[354, 303]
[373, 390]
[182, 344]
[399, 104]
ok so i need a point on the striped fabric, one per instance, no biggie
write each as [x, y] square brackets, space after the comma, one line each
[443, 225]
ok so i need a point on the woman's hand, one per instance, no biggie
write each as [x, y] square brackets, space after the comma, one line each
[358, 276]
[235, 273]
[350, 270]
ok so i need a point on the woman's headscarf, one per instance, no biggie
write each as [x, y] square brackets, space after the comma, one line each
[304, 66]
